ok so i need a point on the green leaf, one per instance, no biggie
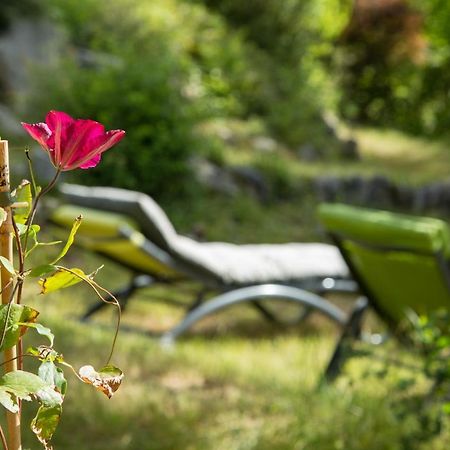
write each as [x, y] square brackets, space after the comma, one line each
[107, 380]
[23, 195]
[43, 331]
[6, 263]
[33, 230]
[61, 279]
[45, 353]
[18, 385]
[11, 318]
[51, 398]
[45, 423]
[70, 239]
[48, 396]
[48, 244]
[40, 271]
[53, 376]
[8, 401]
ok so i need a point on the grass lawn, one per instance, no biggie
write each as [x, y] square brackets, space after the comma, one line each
[236, 382]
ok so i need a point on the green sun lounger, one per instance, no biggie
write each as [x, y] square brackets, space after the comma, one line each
[131, 229]
[400, 262]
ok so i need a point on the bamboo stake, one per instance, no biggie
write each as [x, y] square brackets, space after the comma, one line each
[6, 250]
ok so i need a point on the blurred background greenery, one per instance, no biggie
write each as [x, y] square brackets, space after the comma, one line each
[187, 77]
[240, 117]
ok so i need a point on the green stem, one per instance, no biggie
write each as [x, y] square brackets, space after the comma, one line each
[35, 204]
[114, 301]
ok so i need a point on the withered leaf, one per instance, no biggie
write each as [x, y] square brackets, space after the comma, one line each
[107, 380]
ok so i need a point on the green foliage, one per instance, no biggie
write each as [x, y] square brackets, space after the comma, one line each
[394, 68]
[278, 175]
[18, 385]
[49, 386]
[163, 67]
[12, 318]
[160, 70]
[432, 334]
[293, 41]
[141, 98]
[61, 279]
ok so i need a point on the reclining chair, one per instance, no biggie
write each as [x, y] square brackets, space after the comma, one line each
[400, 262]
[131, 229]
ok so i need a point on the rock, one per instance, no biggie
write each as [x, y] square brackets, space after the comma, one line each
[309, 153]
[379, 192]
[264, 144]
[328, 188]
[354, 189]
[252, 178]
[435, 196]
[404, 197]
[349, 150]
[213, 177]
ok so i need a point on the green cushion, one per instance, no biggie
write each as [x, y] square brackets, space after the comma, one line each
[422, 234]
[100, 232]
[394, 256]
[94, 223]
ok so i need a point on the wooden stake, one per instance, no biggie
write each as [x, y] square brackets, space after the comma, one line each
[6, 250]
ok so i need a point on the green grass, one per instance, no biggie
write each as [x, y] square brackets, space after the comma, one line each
[227, 387]
[406, 159]
[235, 382]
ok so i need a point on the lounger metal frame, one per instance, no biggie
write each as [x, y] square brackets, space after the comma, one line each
[308, 294]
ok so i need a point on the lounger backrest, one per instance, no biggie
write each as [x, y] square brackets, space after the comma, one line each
[146, 213]
[399, 260]
[117, 237]
[143, 213]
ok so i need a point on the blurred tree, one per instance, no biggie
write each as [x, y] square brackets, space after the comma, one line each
[294, 41]
[381, 39]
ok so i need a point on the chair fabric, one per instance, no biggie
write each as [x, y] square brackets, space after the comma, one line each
[423, 234]
[222, 263]
[142, 209]
[399, 259]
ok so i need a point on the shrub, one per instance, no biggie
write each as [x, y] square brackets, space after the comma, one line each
[144, 99]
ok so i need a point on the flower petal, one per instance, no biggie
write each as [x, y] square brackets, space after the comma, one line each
[73, 143]
[39, 132]
[97, 146]
[60, 124]
[91, 163]
[77, 146]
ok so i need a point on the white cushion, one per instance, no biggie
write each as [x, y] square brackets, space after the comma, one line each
[263, 263]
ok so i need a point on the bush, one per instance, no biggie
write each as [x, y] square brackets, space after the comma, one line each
[159, 68]
[293, 42]
[140, 76]
[395, 63]
[150, 108]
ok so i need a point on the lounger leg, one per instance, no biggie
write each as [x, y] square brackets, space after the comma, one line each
[252, 293]
[351, 331]
[123, 295]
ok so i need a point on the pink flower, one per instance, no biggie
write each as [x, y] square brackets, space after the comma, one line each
[72, 143]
